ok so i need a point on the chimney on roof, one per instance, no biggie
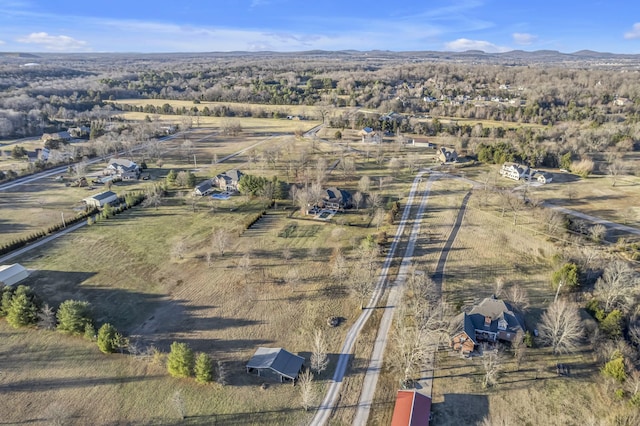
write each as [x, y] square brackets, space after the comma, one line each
[487, 322]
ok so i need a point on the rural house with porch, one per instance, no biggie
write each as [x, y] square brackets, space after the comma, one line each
[123, 168]
[228, 181]
[490, 321]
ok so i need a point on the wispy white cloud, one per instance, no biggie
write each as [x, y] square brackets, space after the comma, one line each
[258, 3]
[462, 44]
[524, 39]
[634, 33]
[59, 43]
[2, 42]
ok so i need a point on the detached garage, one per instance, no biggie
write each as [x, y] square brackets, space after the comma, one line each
[12, 274]
[275, 363]
[99, 200]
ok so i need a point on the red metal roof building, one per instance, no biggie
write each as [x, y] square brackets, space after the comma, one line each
[412, 409]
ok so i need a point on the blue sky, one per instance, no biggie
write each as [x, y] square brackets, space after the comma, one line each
[295, 25]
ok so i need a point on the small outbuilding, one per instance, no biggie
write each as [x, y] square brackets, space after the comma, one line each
[412, 409]
[276, 363]
[99, 200]
[12, 274]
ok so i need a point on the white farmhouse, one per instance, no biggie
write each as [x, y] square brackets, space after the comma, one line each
[514, 171]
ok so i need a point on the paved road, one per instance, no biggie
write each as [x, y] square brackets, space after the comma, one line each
[395, 297]
[41, 242]
[594, 219]
[333, 392]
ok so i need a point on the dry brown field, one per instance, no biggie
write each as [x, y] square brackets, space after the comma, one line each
[271, 288]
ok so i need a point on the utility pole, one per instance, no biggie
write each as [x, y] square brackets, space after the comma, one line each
[64, 225]
[195, 164]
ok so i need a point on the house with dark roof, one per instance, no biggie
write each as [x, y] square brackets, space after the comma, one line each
[447, 155]
[123, 168]
[204, 188]
[276, 363]
[101, 199]
[228, 181]
[392, 117]
[369, 135]
[491, 320]
[412, 409]
[336, 199]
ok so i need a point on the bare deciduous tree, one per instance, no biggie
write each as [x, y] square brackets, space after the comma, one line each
[178, 250]
[153, 196]
[357, 200]
[617, 286]
[57, 414]
[395, 164]
[177, 400]
[244, 266]
[360, 284]
[338, 264]
[319, 358]
[364, 184]
[220, 240]
[378, 218]
[221, 373]
[498, 286]
[301, 197]
[47, 317]
[375, 199]
[615, 167]
[561, 327]
[307, 394]
[519, 348]
[597, 232]
[518, 297]
[492, 364]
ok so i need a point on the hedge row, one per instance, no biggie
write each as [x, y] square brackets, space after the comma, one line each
[128, 201]
[21, 242]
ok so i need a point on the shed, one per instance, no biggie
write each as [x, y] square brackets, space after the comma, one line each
[412, 409]
[99, 200]
[12, 274]
[275, 362]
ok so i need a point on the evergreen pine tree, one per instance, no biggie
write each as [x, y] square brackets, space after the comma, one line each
[22, 311]
[106, 338]
[180, 360]
[203, 368]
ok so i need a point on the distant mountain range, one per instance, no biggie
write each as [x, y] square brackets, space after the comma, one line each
[513, 58]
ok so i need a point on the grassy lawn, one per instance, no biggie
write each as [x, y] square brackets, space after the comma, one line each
[249, 125]
[282, 109]
[31, 207]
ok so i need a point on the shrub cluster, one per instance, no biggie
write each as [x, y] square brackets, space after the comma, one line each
[393, 212]
[181, 362]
